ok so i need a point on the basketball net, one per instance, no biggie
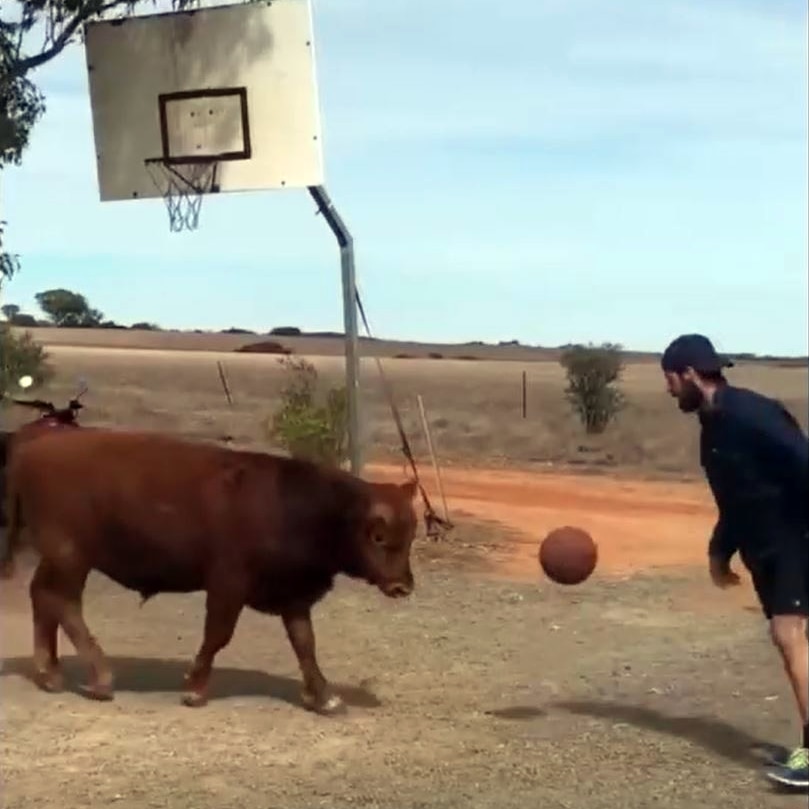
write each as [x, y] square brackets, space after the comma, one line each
[182, 187]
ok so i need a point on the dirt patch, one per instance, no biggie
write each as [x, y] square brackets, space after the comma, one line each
[637, 526]
[491, 687]
[478, 692]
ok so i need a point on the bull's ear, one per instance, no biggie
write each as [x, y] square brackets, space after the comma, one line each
[409, 488]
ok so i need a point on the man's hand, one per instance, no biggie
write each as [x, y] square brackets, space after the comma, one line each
[721, 574]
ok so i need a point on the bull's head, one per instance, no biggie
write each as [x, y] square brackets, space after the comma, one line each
[388, 535]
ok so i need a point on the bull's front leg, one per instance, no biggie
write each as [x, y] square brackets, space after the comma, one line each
[316, 693]
[222, 609]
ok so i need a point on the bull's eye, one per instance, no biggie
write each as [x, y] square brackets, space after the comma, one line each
[379, 538]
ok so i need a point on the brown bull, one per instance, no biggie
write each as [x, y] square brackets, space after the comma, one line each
[158, 514]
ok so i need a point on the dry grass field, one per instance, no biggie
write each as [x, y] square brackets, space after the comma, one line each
[474, 407]
[489, 688]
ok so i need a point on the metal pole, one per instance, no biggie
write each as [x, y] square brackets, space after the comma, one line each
[346, 243]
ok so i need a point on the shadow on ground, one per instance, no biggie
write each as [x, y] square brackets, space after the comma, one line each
[151, 675]
[516, 712]
[713, 734]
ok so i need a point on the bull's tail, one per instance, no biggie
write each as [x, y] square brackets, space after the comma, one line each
[11, 545]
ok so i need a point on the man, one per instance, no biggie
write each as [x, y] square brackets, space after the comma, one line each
[756, 461]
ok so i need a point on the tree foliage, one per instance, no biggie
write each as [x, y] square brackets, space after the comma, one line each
[9, 263]
[21, 355]
[303, 425]
[68, 309]
[32, 32]
[592, 373]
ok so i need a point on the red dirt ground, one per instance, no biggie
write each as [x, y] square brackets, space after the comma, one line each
[639, 526]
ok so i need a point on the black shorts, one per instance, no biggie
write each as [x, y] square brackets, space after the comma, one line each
[782, 582]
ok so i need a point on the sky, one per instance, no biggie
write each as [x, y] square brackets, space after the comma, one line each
[550, 171]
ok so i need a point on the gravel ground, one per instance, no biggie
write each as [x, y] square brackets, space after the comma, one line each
[479, 692]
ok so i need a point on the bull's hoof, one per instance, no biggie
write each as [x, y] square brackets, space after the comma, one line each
[325, 705]
[49, 681]
[97, 692]
[194, 699]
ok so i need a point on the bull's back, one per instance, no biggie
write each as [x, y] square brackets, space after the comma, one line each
[150, 511]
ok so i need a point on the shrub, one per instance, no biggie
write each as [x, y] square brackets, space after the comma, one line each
[592, 372]
[264, 347]
[285, 331]
[305, 427]
[23, 319]
[20, 355]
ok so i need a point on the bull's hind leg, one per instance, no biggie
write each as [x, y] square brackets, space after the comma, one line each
[69, 586]
[222, 610]
[45, 609]
[316, 696]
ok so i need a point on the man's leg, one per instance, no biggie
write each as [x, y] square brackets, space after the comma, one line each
[789, 607]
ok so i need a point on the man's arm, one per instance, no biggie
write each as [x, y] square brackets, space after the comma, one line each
[722, 544]
[721, 548]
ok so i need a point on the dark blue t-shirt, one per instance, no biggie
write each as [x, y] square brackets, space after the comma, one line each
[756, 460]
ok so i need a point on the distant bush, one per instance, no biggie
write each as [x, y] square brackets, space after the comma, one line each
[592, 372]
[24, 320]
[144, 326]
[264, 347]
[435, 355]
[234, 330]
[468, 357]
[21, 356]
[337, 335]
[285, 331]
[303, 425]
[404, 356]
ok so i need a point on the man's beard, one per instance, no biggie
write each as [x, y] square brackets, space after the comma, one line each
[690, 398]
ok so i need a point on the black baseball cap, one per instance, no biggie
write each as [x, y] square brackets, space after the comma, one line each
[693, 351]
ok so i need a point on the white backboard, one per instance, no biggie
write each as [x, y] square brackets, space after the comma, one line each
[263, 113]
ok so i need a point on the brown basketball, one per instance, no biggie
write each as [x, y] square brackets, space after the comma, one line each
[568, 555]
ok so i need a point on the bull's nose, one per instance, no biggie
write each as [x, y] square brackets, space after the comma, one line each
[399, 589]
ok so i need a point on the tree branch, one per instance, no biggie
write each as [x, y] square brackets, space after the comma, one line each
[28, 63]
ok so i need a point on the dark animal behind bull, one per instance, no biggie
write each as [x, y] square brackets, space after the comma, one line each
[159, 514]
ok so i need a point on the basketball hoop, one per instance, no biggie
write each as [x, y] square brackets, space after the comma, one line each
[182, 187]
